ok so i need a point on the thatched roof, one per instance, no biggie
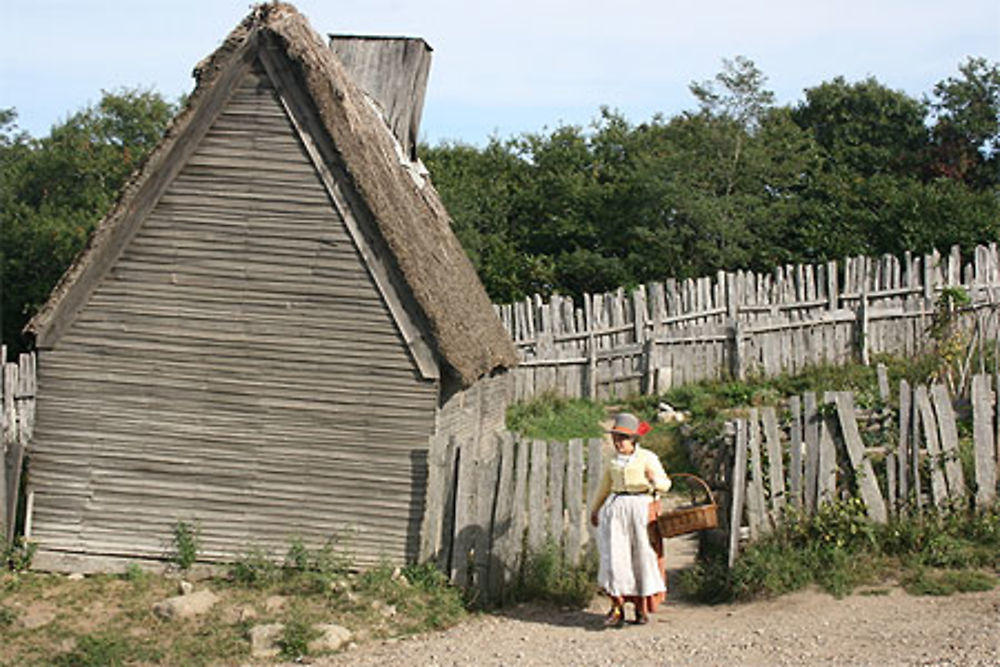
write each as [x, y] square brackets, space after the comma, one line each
[407, 211]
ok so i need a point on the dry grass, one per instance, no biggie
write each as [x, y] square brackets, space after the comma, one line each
[108, 619]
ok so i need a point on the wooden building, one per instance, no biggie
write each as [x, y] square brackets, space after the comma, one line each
[264, 334]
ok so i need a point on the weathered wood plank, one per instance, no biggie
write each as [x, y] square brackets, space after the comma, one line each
[440, 467]
[487, 476]
[864, 474]
[595, 469]
[795, 452]
[949, 443]
[939, 489]
[537, 494]
[811, 426]
[557, 482]
[984, 444]
[739, 485]
[519, 509]
[903, 445]
[504, 546]
[574, 501]
[826, 472]
[775, 464]
[757, 514]
[465, 515]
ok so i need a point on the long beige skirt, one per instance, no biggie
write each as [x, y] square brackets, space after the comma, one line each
[628, 562]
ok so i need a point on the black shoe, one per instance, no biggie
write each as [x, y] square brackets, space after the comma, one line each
[615, 618]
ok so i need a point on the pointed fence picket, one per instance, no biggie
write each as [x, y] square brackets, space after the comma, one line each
[736, 323]
[17, 422]
[844, 454]
[489, 504]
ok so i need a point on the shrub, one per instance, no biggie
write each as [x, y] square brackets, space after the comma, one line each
[552, 417]
[544, 575]
[295, 638]
[185, 544]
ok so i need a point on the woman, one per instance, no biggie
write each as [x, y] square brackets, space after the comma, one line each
[631, 570]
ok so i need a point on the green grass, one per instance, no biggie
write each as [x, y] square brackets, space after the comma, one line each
[551, 417]
[840, 550]
[108, 620]
[545, 575]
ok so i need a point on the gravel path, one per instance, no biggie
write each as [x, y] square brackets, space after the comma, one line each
[805, 628]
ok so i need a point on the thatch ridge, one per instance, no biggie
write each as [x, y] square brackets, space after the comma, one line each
[410, 218]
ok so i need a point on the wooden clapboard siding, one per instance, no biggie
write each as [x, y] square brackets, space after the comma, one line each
[236, 368]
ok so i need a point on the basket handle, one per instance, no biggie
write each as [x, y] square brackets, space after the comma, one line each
[703, 483]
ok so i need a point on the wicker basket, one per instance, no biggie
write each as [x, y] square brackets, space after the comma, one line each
[692, 518]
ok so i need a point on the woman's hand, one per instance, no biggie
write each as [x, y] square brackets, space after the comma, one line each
[593, 518]
[650, 475]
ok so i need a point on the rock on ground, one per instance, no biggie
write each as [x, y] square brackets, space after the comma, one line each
[186, 606]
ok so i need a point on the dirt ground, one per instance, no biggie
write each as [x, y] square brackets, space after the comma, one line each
[880, 627]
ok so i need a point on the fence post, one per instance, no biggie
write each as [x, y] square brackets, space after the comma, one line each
[6, 398]
[739, 490]
[863, 324]
[737, 369]
[588, 310]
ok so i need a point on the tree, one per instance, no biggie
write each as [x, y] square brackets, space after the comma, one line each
[55, 189]
[966, 130]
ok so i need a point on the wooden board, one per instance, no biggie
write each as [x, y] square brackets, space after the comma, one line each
[739, 485]
[811, 427]
[949, 443]
[939, 489]
[757, 514]
[984, 445]
[575, 505]
[504, 546]
[864, 475]
[537, 495]
[775, 466]
[795, 452]
[557, 482]
[465, 515]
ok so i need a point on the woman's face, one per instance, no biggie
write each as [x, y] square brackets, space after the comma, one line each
[623, 443]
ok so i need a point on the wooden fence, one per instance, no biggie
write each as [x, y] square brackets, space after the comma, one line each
[17, 419]
[486, 503]
[896, 461]
[732, 324]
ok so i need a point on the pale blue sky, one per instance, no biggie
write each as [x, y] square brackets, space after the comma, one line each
[502, 68]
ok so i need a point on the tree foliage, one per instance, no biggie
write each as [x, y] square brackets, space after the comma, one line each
[854, 168]
[54, 189]
[737, 182]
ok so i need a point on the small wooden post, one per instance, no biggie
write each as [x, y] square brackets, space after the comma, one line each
[557, 481]
[903, 446]
[588, 307]
[983, 442]
[811, 428]
[574, 501]
[757, 515]
[537, 479]
[863, 325]
[739, 485]
[863, 473]
[795, 452]
[736, 336]
[939, 490]
[501, 537]
[775, 468]
[949, 443]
